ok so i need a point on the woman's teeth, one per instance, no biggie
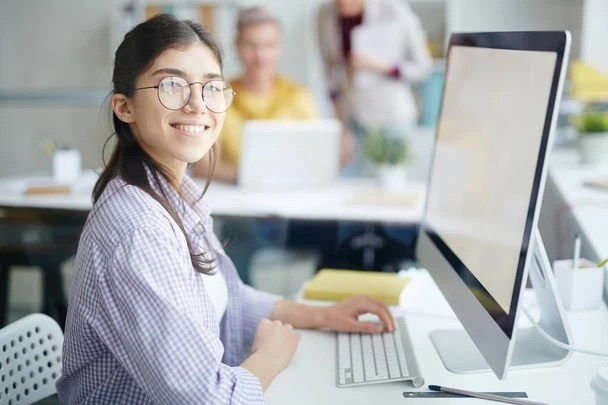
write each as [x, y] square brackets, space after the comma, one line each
[193, 129]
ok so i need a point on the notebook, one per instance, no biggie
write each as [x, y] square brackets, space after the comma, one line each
[337, 285]
[47, 189]
[384, 42]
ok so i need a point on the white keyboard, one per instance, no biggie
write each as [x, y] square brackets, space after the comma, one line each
[376, 358]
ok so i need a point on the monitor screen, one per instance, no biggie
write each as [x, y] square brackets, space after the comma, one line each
[486, 151]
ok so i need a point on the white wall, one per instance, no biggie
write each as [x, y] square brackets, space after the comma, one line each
[513, 15]
[595, 34]
[51, 44]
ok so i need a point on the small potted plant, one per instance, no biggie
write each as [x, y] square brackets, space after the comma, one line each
[593, 136]
[389, 152]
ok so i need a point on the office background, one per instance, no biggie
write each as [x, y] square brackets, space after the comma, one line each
[67, 45]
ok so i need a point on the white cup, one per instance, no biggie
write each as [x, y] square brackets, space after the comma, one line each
[599, 383]
[580, 289]
[66, 165]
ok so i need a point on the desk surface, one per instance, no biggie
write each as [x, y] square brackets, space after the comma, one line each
[588, 206]
[346, 200]
[310, 378]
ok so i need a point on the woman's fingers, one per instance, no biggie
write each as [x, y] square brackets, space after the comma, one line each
[380, 309]
[388, 319]
[365, 327]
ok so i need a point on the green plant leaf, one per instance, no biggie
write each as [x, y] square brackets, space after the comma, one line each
[591, 122]
[380, 147]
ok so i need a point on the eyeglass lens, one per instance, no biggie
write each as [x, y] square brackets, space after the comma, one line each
[174, 94]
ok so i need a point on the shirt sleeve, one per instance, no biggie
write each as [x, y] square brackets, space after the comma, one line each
[257, 305]
[153, 323]
[332, 67]
[417, 62]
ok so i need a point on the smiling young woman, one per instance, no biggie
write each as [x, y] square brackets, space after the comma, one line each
[157, 312]
[173, 124]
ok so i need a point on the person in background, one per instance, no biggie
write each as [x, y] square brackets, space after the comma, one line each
[262, 94]
[157, 312]
[388, 104]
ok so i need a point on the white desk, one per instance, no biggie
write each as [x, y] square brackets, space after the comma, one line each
[569, 207]
[588, 206]
[335, 202]
[310, 378]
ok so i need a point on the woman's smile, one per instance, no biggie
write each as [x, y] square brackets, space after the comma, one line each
[190, 129]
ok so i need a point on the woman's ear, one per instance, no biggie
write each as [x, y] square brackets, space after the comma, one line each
[122, 108]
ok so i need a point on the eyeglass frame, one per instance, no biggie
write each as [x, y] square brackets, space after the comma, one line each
[157, 87]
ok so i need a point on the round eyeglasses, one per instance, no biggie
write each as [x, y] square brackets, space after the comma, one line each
[174, 93]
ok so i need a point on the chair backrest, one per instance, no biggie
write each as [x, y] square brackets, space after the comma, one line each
[30, 359]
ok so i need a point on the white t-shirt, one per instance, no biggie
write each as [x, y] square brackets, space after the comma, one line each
[217, 290]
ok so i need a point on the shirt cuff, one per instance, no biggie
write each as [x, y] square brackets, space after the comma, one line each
[255, 393]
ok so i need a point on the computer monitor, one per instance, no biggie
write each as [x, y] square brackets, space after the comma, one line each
[479, 237]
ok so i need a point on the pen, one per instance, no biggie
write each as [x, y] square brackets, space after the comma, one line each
[481, 395]
[577, 251]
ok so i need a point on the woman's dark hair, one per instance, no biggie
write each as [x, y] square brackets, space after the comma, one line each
[137, 52]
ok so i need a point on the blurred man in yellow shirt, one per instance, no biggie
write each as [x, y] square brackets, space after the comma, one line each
[261, 93]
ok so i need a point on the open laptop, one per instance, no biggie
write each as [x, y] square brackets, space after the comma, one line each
[289, 153]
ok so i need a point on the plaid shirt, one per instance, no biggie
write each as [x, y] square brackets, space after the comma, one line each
[141, 326]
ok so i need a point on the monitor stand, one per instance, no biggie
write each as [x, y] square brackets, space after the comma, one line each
[460, 355]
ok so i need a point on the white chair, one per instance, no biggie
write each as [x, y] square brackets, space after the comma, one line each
[30, 359]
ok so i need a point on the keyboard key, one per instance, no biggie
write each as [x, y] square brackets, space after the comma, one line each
[369, 362]
[400, 352]
[357, 360]
[380, 357]
[391, 355]
[344, 356]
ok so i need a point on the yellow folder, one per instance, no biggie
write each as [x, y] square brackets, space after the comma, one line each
[337, 285]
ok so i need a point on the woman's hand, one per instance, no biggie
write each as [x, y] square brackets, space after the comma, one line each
[277, 337]
[343, 316]
[360, 62]
[348, 147]
[273, 348]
